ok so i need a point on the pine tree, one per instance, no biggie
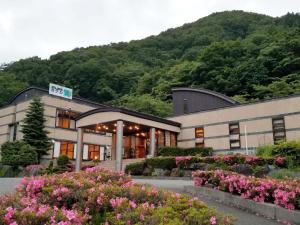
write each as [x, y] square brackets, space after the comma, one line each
[33, 128]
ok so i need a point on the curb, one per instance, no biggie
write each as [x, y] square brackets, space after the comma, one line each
[161, 178]
[265, 209]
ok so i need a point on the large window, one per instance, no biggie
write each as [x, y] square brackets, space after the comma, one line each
[94, 152]
[278, 129]
[173, 139]
[234, 135]
[199, 135]
[161, 140]
[67, 148]
[65, 119]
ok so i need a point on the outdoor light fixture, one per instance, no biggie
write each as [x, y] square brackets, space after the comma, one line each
[130, 128]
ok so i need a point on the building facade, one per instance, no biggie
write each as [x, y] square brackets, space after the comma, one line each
[211, 119]
[86, 130]
[99, 134]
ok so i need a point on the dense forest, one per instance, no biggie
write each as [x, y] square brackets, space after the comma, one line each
[247, 56]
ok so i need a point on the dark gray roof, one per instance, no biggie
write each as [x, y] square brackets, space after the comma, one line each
[43, 91]
[206, 91]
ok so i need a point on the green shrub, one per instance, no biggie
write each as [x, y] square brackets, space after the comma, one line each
[18, 153]
[62, 160]
[283, 173]
[265, 151]
[166, 163]
[288, 149]
[135, 168]
[177, 151]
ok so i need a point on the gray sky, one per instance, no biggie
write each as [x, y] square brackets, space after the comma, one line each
[44, 27]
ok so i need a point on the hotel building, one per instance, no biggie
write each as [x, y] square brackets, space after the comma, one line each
[87, 130]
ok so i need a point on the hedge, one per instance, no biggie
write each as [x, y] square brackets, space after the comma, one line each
[177, 151]
[166, 163]
[219, 161]
[288, 149]
[135, 168]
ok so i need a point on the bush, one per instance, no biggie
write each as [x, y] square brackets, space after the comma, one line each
[288, 149]
[264, 151]
[177, 151]
[284, 193]
[18, 153]
[166, 163]
[62, 161]
[135, 168]
[96, 196]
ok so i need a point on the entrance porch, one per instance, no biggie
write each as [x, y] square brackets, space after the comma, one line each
[134, 135]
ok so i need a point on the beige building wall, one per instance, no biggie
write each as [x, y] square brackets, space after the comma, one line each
[256, 117]
[16, 114]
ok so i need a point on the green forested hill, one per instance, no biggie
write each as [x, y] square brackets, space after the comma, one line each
[245, 55]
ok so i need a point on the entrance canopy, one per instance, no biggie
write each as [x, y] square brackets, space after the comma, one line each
[144, 132]
[109, 116]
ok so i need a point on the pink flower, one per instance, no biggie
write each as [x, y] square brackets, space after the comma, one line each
[213, 220]
[142, 217]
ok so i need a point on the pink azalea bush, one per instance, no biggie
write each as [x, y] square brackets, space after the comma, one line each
[96, 196]
[284, 193]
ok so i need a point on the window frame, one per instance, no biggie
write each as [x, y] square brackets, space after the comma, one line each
[63, 142]
[278, 130]
[68, 119]
[94, 146]
[199, 144]
[231, 132]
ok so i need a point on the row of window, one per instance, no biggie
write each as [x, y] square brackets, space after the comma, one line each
[235, 137]
[90, 151]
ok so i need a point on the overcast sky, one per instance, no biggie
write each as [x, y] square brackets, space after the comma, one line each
[45, 27]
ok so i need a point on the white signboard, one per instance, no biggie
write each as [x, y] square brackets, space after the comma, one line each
[60, 91]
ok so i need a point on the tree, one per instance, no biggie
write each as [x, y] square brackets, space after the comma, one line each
[18, 153]
[34, 128]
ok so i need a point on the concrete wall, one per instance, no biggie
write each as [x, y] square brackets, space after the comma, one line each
[257, 118]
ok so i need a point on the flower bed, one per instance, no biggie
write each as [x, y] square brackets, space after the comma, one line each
[97, 197]
[284, 193]
[252, 165]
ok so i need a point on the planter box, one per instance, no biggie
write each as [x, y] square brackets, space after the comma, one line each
[265, 209]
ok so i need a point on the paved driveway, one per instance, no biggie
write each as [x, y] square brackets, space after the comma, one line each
[7, 185]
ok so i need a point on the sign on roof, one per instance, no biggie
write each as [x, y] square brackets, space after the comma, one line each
[60, 91]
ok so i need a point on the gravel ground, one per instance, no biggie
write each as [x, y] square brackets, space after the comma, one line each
[7, 185]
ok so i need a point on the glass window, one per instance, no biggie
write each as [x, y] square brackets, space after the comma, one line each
[94, 152]
[65, 119]
[199, 135]
[234, 135]
[173, 139]
[13, 128]
[67, 148]
[278, 129]
[160, 135]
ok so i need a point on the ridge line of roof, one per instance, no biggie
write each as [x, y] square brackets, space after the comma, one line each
[45, 90]
[129, 112]
[206, 91]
